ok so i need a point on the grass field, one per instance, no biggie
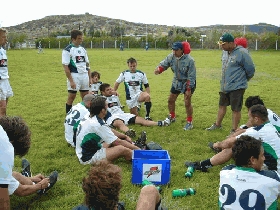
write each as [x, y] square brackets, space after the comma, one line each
[39, 86]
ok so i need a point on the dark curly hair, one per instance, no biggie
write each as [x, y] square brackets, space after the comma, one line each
[244, 148]
[253, 100]
[102, 186]
[18, 132]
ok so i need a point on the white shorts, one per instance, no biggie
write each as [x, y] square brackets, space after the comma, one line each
[125, 117]
[99, 155]
[5, 89]
[14, 184]
[133, 102]
[81, 81]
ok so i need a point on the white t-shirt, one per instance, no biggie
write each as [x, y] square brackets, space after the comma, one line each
[241, 188]
[133, 82]
[75, 114]
[91, 133]
[7, 162]
[95, 87]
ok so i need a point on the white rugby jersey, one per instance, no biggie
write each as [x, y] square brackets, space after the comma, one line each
[95, 87]
[244, 188]
[76, 58]
[273, 118]
[91, 133]
[133, 82]
[75, 114]
[3, 64]
[114, 105]
[270, 136]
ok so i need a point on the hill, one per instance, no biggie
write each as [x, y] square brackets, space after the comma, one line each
[86, 22]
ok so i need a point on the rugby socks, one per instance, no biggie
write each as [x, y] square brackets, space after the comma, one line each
[189, 119]
[68, 107]
[206, 163]
[148, 106]
[172, 115]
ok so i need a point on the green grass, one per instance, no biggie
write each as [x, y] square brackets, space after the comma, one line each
[39, 86]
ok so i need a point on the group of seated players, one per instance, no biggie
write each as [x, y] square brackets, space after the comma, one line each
[255, 146]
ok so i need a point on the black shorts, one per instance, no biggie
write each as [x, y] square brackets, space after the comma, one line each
[174, 91]
[233, 98]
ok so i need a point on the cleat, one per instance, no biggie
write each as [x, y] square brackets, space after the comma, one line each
[166, 122]
[53, 179]
[141, 142]
[188, 126]
[171, 119]
[213, 127]
[196, 165]
[25, 168]
[216, 150]
[131, 133]
[148, 118]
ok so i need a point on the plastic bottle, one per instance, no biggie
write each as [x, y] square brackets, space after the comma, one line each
[147, 182]
[189, 172]
[183, 192]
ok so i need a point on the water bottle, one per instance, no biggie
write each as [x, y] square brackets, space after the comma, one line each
[189, 172]
[183, 192]
[147, 182]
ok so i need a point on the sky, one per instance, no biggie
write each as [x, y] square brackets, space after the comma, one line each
[181, 13]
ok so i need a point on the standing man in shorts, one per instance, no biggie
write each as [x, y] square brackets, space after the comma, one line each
[76, 66]
[134, 80]
[237, 69]
[184, 80]
[5, 87]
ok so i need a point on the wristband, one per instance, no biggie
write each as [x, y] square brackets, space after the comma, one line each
[161, 69]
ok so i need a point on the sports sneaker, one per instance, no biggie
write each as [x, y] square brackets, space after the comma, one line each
[121, 205]
[141, 142]
[165, 122]
[216, 150]
[213, 127]
[196, 165]
[148, 118]
[53, 179]
[25, 165]
[188, 126]
[171, 119]
[131, 133]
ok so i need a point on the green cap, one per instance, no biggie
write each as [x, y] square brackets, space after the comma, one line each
[227, 37]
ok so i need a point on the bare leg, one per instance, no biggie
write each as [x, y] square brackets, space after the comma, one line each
[142, 121]
[3, 107]
[221, 113]
[235, 119]
[222, 157]
[112, 153]
[120, 125]
[171, 102]
[227, 143]
[71, 98]
[82, 94]
[188, 104]
[148, 198]
[134, 111]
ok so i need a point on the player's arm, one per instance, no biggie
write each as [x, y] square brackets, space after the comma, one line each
[25, 190]
[116, 86]
[125, 144]
[4, 197]
[88, 69]
[192, 74]
[147, 88]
